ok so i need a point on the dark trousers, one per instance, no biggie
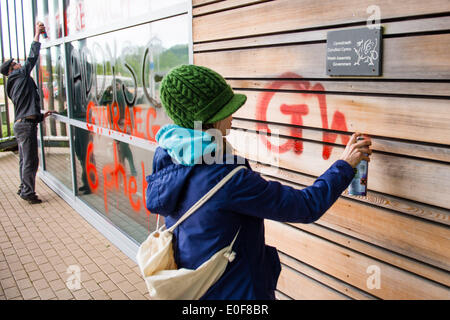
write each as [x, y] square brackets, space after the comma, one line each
[81, 141]
[26, 136]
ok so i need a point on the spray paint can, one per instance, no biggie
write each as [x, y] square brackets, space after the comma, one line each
[358, 186]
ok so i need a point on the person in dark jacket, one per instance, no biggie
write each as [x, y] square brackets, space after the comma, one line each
[23, 92]
[181, 176]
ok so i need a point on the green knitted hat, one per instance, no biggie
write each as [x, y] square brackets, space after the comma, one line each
[193, 93]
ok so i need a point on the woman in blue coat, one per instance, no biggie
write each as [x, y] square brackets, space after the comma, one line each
[183, 172]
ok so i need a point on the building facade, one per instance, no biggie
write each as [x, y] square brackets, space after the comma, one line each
[101, 67]
[393, 243]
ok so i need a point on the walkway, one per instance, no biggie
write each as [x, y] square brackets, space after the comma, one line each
[41, 246]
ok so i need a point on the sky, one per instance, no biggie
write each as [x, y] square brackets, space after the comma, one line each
[27, 13]
[170, 33]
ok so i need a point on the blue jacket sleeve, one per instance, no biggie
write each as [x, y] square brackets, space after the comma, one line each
[250, 194]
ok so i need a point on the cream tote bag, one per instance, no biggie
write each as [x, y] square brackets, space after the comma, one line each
[156, 261]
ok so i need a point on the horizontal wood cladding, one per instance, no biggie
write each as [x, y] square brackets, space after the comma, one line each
[389, 174]
[274, 52]
[348, 231]
[400, 89]
[412, 237]
[415, 119]
[415, 238]
[401, 205]
[351, 266]
[390, 29]
[281, 296]
[403, 58]
[413, 149]
[331, 282]
[223, 5]
[197, 3]
[376, 252]
[300, 287]
[287, 15]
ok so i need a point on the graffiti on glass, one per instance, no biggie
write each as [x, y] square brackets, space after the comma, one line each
[113, 95]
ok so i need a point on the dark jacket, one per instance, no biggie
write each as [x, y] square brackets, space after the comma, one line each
[244, 201]
[22, 89]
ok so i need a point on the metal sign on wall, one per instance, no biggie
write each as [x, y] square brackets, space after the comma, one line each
[354, 52]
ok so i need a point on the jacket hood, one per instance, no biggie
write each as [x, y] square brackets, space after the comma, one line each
[173, 163]
[185, 146]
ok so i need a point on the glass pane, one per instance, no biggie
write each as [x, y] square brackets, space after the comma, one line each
[115, 77]
[84, 15]
[111, 179]
[53, 94]
[52, 82]
[57, 150]
[48, 13]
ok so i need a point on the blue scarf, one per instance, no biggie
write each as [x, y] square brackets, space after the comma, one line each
[186, 146]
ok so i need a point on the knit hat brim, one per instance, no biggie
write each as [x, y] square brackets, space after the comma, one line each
[231, 107]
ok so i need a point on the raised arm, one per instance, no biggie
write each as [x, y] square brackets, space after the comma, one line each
[35, 48]
[253, 195]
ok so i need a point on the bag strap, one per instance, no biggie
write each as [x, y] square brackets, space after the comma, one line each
[206, 197]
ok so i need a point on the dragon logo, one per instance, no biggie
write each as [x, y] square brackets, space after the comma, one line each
[365, 50]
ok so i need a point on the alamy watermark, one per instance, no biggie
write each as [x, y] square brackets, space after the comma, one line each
[373, 22]
[374, 280]
[73, 281]
[211, 147]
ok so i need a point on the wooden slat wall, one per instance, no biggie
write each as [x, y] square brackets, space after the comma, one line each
[274, 52]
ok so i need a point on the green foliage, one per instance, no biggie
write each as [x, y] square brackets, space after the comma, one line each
[174, 56]
[164, 59]
[5, 132]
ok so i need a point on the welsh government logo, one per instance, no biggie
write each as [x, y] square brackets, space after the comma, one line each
[365, 50]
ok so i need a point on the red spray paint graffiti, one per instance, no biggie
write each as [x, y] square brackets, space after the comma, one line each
[297, 112]
[108, 118]
[114, 175]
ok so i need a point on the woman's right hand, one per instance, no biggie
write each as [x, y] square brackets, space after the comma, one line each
[355, 151]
